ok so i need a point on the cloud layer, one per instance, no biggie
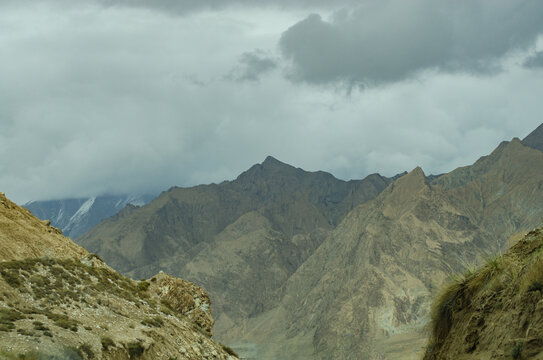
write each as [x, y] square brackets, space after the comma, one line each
[391, 40]
[101, 99]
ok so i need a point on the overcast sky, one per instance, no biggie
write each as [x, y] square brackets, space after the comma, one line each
[119, 96]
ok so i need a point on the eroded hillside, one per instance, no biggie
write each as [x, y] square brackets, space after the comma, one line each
[57, 301]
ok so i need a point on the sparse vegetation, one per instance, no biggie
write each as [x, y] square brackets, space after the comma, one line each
[229, 350]
[8, 317]
[143, 286]
[154, 321]
[503, 284]
[87, 350]
[516, 350]
[107, 343]
[135, 349]
[11, 278]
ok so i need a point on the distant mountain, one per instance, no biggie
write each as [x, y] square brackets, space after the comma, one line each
[76, 216]
[60, 302]
[301, 265]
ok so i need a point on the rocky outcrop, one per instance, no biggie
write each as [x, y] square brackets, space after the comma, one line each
[58, 301]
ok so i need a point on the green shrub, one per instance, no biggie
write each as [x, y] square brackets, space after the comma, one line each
[143, 286]
[516, 351]
[11, 278]
[535, 285]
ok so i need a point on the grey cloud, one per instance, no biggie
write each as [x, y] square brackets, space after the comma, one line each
[252, 65]
[112, 100]
[183, 7]
[390, 40]
[534, 61]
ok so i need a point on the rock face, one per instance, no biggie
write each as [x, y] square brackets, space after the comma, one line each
[60, 302]
[303, 266]
[494, 312]
[77, 216]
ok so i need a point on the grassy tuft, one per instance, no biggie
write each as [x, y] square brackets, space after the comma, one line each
[107, 343]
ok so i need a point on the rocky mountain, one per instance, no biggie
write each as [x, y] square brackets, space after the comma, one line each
[240, 239]
[304, 266]
[60, 302]
[76, 216]
[365, 292]
[494, 312]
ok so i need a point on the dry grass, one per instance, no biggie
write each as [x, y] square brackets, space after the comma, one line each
[509, 275]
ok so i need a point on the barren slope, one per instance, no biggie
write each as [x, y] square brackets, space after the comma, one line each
[59, 302]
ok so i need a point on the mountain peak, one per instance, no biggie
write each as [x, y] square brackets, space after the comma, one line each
[535, 139]
[271, 161]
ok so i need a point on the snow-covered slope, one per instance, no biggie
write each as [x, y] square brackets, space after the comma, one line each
[77, 216]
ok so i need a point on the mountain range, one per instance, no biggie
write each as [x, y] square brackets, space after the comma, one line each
[303, 265]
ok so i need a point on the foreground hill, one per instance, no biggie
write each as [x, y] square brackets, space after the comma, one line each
[77, 216]
[60, 302]
[302, 265]
[494, 312]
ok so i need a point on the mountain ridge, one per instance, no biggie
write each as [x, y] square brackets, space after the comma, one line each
[292, 263]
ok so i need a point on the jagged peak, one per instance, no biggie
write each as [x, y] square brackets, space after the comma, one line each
[414, 178]
[272, 163]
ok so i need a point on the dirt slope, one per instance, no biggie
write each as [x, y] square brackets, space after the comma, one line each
[57, 301]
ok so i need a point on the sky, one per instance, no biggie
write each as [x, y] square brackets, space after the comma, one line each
[132, 96]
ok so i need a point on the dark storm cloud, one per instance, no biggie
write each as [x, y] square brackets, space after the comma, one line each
[534, 61]
[252, 65]
[390, 40]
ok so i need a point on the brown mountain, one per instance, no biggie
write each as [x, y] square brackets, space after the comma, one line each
[494, 312]
[241, 240]
[60, 302]
[301, 265]
[365, 292]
